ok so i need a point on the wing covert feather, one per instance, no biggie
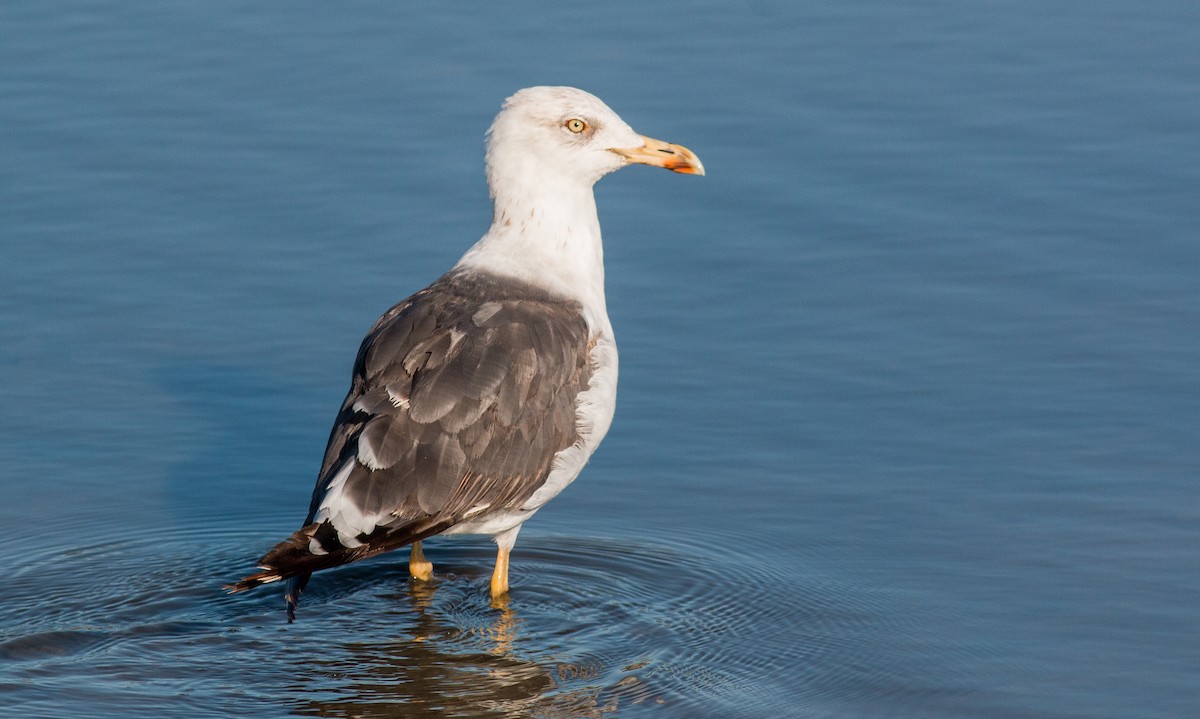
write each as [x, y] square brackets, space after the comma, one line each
[461, 396]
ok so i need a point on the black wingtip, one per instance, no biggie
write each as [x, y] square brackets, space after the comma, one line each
[291, 598]
[291, 595]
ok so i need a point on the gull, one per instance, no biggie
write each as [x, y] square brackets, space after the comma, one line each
[478, 399]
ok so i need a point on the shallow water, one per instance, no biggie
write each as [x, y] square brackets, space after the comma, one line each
[908, 409]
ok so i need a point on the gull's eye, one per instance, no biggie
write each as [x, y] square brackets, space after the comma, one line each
[575, 125]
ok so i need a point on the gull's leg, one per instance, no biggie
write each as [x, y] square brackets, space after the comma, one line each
[504, 542]
[420, 568]
[500, 575]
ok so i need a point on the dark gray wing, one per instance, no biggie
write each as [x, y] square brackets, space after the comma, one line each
[462, 395]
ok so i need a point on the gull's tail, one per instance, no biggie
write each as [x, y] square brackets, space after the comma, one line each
[316, 547]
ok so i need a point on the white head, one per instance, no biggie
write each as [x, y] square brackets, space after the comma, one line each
[545, 150]
[563, 134]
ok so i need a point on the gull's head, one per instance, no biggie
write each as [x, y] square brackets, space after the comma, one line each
[561, 134]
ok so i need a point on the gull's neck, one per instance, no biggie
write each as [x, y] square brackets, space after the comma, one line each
[546, 233]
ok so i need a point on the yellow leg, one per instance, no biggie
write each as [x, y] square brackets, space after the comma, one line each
[500, 575]
[420, 568]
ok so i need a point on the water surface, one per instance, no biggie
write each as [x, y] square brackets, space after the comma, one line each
[908, 409]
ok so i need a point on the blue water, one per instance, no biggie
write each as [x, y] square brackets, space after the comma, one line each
[909, 396]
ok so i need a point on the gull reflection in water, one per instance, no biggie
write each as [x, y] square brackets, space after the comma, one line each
[447, 667]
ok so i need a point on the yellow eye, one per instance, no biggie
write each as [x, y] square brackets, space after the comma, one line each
[575, 125]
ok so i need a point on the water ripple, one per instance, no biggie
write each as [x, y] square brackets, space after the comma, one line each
[594, 627]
